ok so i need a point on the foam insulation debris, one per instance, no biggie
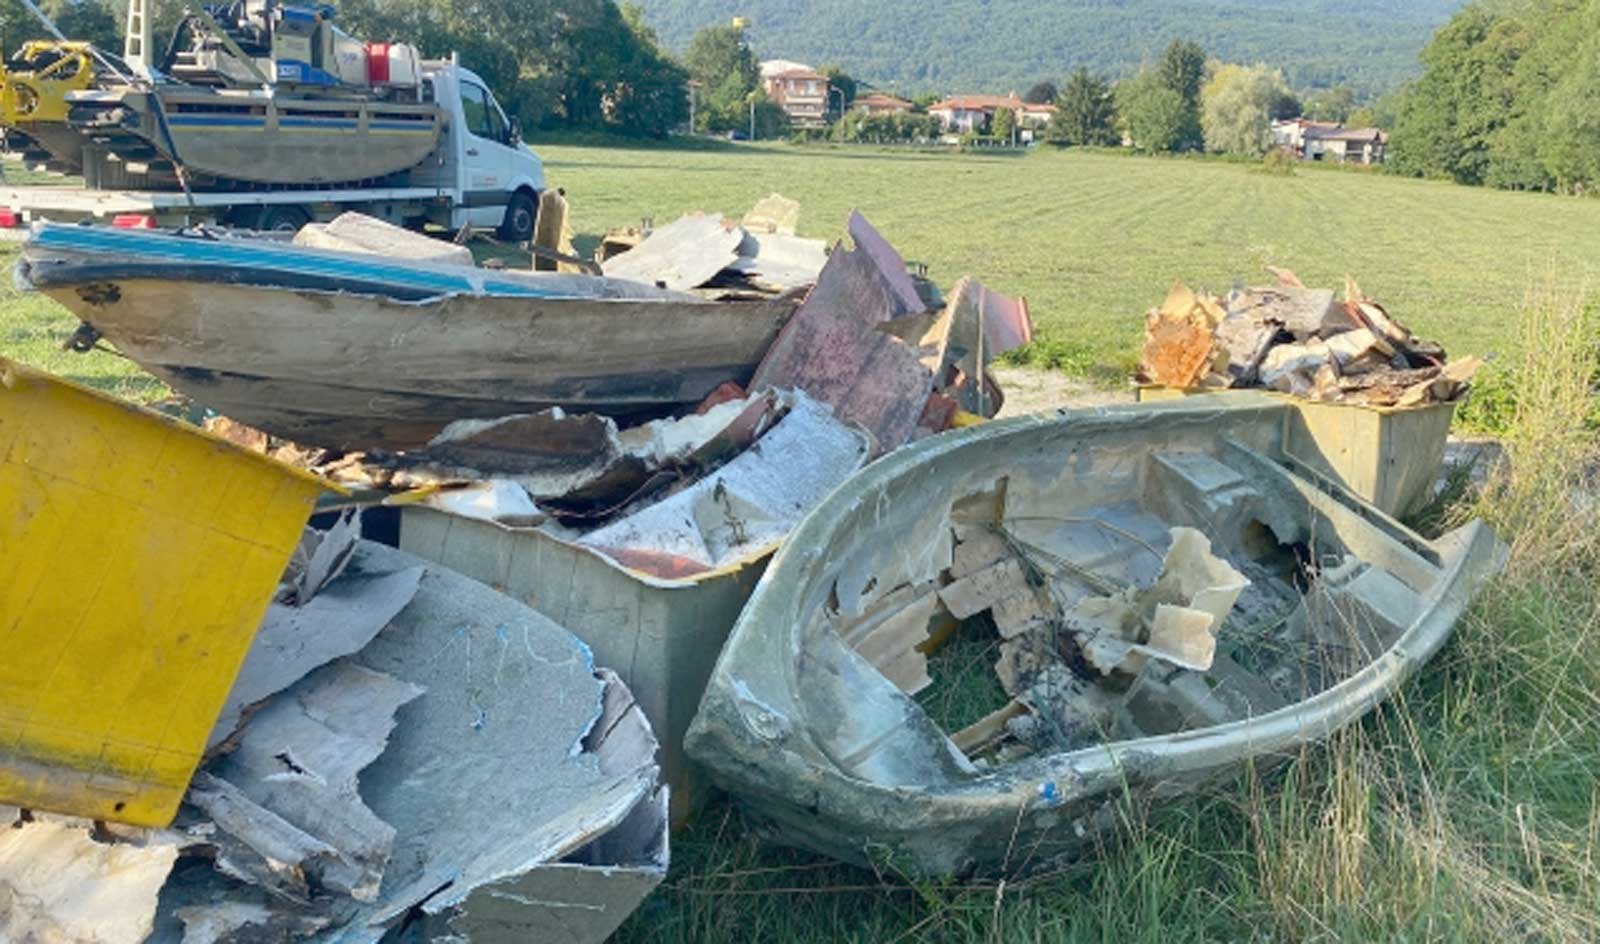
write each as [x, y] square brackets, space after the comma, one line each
[357, 232]
[461, 771]
[1299, 341]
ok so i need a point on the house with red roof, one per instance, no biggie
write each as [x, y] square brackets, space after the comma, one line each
[963, 114]
[801, 91]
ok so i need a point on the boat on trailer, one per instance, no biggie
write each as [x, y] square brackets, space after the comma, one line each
[356, 351]
[1154, 597]
[257, 135]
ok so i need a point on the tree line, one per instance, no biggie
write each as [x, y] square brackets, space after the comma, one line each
[553, 64]
[1509, 97]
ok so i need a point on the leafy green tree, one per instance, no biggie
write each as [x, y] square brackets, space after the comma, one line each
[1003, 125]
[1183, 70]
[842, 88]
[1155, 117]
[551, 63]
[721, 61]
[1364, 116]
[1287, 106]
[1085, 112]
[1043, 92]
[771, 121]
[1238, 102]
[1334, 104]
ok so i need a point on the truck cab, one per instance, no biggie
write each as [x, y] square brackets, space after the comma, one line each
[498, 179]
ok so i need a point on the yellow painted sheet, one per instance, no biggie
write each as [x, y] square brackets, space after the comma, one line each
[137, 558]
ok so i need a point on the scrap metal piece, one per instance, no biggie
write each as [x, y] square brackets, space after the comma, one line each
[834, 350]
[682, 255]
[832, 756]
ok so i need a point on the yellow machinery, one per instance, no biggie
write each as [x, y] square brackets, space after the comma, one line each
[33, 96]
[35, 82]
[140, 555]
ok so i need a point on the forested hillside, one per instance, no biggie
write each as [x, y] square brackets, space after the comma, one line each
[943, 46]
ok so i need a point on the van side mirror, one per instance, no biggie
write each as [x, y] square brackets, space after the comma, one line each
[516, 132]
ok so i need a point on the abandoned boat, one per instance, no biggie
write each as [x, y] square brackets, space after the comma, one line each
[257, 135]
[265, 93]
[356, 351]
[975, 651]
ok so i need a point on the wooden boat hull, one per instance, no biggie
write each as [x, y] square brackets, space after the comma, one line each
[313, 355]
[802, 723]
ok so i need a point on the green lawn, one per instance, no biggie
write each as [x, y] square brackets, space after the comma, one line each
[1467, 810]
[1094, 240]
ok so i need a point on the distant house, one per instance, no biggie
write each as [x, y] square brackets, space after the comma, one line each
[801, 91]
[878, 103]
[1290, 134]
[1329, 141]
[964, 114]
[1347, 145]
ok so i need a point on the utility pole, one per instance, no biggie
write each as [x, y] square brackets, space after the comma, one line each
[752, 116]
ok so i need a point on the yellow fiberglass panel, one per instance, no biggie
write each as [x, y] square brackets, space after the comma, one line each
[139, 556]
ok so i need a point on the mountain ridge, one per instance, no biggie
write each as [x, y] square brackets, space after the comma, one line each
[914, 46]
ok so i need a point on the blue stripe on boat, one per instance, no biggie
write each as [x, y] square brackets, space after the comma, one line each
[277, 257]
[317, 123]
[217, 121]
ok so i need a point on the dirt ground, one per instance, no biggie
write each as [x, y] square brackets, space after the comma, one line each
[1034, 391]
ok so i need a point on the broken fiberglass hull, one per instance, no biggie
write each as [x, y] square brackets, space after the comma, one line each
[356, 351]
[1027, 529]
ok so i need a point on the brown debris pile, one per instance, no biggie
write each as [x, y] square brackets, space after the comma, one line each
[1299, 341]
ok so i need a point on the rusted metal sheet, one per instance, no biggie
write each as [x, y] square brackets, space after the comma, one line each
[888, 260]
[835, 349]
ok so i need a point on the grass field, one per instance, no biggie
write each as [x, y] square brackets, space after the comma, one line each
[1094, 240]
[1467, 810]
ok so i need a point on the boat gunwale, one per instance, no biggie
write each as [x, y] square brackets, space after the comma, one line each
[1057, 780]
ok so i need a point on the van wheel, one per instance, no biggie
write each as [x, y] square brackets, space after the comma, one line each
[520, 215]
[283, 219]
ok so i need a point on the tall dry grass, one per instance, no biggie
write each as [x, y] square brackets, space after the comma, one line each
[1470, 809]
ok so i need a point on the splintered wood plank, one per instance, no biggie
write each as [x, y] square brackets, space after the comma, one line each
[979, 549]
[892, 640]
[982, 734]
[1019, 613]
[971, 595]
